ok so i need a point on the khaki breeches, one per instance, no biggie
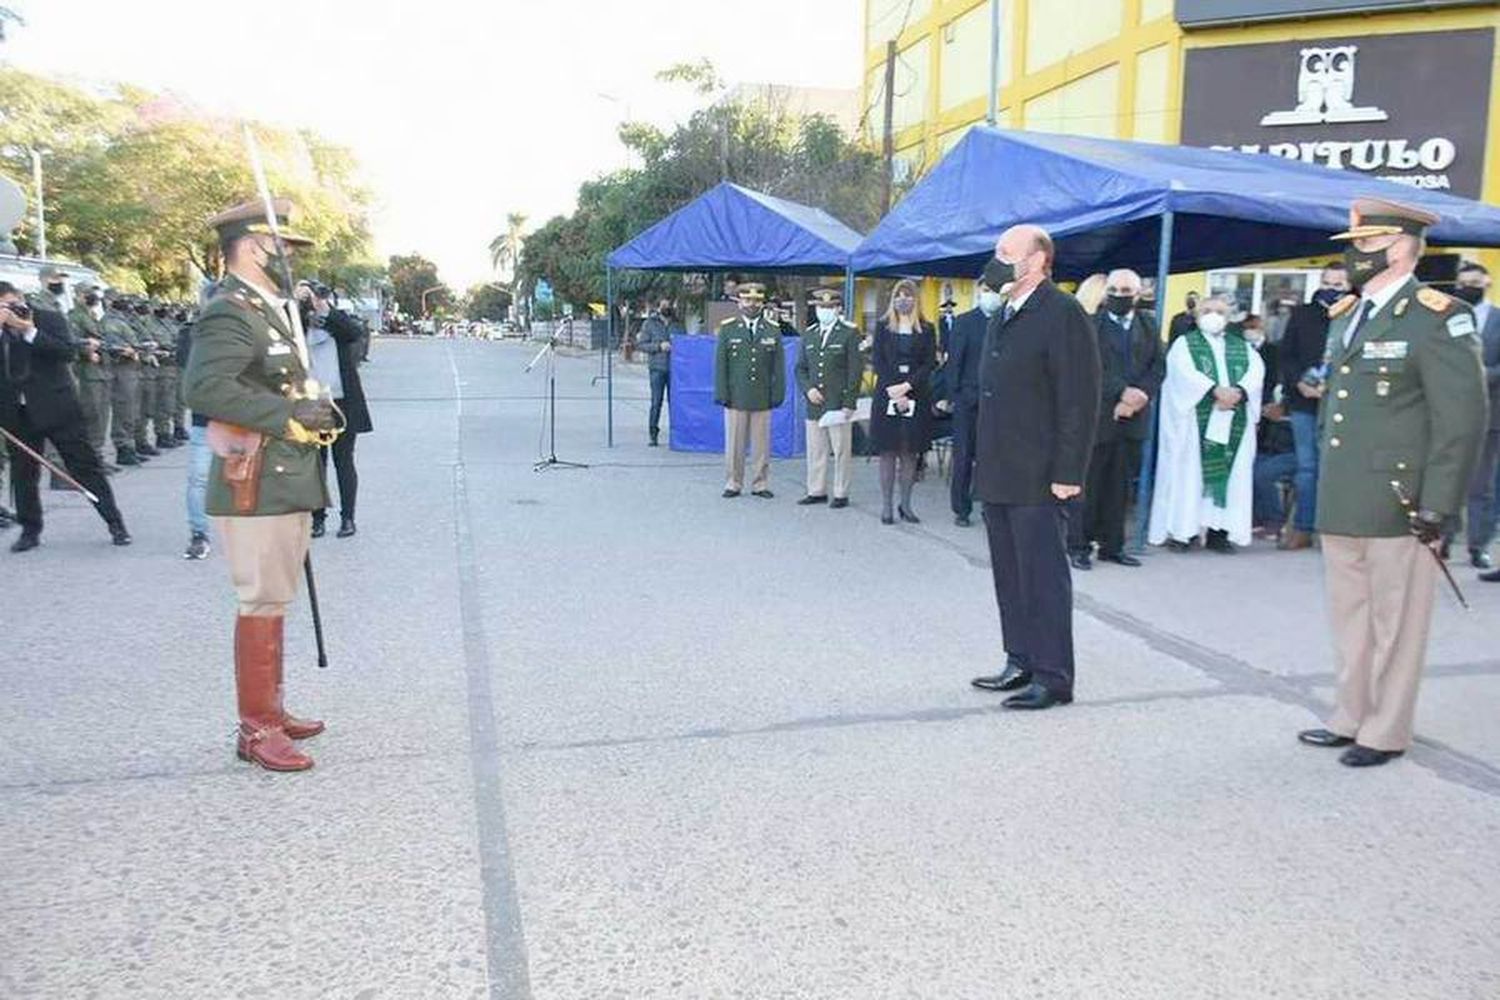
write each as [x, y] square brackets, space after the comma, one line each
[823, 442]
[1380, 594]
[742, 428]
[265, 559]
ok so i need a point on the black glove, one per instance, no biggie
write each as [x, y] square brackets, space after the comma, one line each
[314, 414]
[1427, 526]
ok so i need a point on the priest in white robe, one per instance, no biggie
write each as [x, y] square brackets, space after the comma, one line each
[1210, 405]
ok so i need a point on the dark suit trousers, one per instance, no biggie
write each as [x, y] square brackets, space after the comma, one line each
[78, 456]
[1029, 559]
[1099, 515]
[343, 467]
[961, 485]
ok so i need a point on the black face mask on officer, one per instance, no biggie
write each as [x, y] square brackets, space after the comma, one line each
[1362, 265]
[1119, 305]
[56, 287]
[91, 299]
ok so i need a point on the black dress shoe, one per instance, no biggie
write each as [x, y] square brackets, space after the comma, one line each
[887, 519]
[962, 520]
[763, 494]
[1081, 560]
[1119, 558]
[1177, 546]
[346, 527]
[1218, 541]
[730, 494]
[908, 516]
[145, 450]
[1035, 697]
[1358, 756]
[809, 500]
[118, 535]
[838, 503]
[653, 443]
[126, 457]
[1493, 576]
[1480, 559]
[1011, 678]
[26, 542]
[319, 527]
[1324, 738]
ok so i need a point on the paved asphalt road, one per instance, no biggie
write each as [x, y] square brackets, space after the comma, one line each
[600, 734]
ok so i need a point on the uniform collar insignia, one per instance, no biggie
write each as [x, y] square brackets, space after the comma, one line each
[1400, 307]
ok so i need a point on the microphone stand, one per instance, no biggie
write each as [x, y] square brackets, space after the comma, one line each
[551, 461]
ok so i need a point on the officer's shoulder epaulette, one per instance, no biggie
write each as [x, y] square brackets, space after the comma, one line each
[1342, 306]
[725, 322]
[1433, 299]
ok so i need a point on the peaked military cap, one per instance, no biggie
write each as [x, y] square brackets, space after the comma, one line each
[1379, 217]
[753, 290]
[826, 297]
[249, 218]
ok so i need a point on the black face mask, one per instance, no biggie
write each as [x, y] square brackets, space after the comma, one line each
[1326, 297]
[141, 310]
[56, 287]
[1472, 294]
[1119, 305]
[91, 300]
[1363, 265]
[999, 273]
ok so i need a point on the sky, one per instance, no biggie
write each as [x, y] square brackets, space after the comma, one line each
[458, 111]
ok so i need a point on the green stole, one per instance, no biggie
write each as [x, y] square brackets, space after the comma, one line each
[1217, 459]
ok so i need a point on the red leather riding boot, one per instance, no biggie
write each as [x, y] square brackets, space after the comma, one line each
[257, 674]
[297, 729]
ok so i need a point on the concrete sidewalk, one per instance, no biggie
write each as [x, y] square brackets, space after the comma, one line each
[600, 733]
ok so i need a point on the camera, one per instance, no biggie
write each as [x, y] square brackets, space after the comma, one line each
[19, 310]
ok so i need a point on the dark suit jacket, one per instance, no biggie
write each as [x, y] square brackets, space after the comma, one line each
[965, 348]
[1303, 345]
[38, 371]
[1038, 400]
[1144, 370]
[1489, 344]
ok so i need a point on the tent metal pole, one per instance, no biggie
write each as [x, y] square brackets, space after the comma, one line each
[609, 356]
[849, 293]
[993, 109]
[1148, 447]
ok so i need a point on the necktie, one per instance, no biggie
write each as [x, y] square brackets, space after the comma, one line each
[1364, 317]
[1010, 311]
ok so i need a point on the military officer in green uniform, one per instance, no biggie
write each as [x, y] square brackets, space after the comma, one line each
[165, 335]
[95, 366]
[54, 287]
[145, 335]
[247, 374]
[749, 382]
[122, 344]
[829, 369]
[1403, 415]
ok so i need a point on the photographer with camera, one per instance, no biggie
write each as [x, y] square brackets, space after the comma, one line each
[332, 338]
[38, 403]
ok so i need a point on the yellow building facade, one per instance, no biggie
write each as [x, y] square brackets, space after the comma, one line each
[1374, 90]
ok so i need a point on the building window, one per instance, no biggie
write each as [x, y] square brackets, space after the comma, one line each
[1152, 80]
[1087, 106]
[1056, 30]
[965, 54]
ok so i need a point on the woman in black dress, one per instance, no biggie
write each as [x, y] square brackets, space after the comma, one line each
[904, 355]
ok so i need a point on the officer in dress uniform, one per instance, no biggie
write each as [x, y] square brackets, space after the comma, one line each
[1400, 429]
[829, 369]
[246, 375]
[749, 382]
[95, 365]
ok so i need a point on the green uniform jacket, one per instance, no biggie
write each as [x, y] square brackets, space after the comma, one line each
[1405, 402]
[749, 368]
[242, 370]
[834, 368]
[83, 326]
[119, 333]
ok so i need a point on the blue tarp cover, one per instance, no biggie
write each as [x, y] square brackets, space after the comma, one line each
[697, 422]
[734, 228]
[1101, 200]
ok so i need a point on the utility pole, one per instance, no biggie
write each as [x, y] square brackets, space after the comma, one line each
[41, 211]
[888, 148]
[994, 106]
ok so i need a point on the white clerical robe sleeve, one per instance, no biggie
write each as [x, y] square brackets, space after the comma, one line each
[1184, 385]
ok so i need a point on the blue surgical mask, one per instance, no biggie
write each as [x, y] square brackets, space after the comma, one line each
[827, 315]
[989, 302]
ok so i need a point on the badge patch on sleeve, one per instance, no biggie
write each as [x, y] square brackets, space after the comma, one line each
[1461, 325]
[279, 349]
[1385, 350]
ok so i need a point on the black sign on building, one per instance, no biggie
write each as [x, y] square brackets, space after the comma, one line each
[1203, 13]
[1411, 108]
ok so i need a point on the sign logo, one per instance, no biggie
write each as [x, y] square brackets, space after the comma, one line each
[1325, 91]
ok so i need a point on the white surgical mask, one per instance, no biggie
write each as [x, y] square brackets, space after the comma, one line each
[989, 303]
[826, 315]
[1212, 323]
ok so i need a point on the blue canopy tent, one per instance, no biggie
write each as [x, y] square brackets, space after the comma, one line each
[1154, 208]
[732, 228]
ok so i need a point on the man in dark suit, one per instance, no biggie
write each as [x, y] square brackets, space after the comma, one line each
[1472, 284]
[38, 403]
[1131, 369]
[965, 344]
[1038, 411]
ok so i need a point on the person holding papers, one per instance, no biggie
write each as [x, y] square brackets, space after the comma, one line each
[904, 355]
[1210, 404]
[829, 368]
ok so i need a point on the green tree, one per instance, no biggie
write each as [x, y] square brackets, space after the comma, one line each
[490, 300]
[410, 276]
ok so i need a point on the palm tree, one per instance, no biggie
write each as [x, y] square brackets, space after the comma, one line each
[505, 249]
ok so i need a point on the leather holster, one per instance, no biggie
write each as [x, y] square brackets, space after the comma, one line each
[243, 452]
